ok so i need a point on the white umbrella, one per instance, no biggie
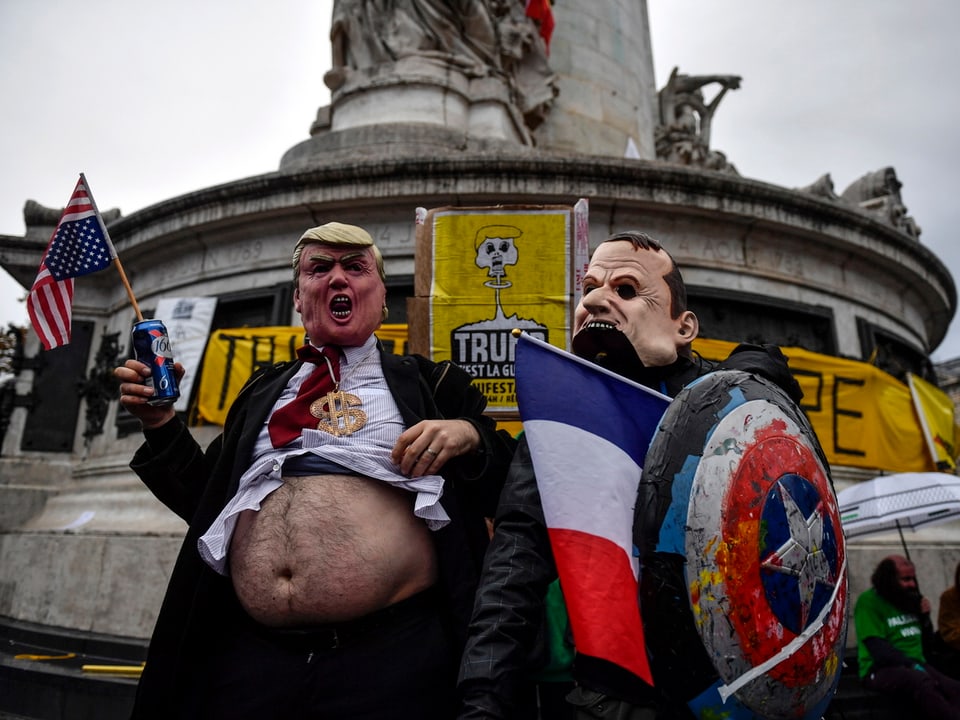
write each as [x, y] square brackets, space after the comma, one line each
[895, 502]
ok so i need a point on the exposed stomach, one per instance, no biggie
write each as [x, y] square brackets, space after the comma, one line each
[328, 548]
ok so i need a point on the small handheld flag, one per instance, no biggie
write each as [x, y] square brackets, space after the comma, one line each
[588, 444]
[79, 246]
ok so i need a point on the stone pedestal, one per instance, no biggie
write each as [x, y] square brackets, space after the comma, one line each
[417, 90]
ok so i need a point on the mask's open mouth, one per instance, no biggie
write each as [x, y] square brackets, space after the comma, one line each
[598, 341]
[341, 306]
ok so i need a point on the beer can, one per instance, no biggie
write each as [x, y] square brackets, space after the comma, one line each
[151, 346]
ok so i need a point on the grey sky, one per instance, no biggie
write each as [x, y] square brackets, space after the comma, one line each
[153, 101]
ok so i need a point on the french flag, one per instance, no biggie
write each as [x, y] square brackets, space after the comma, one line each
[588, 430]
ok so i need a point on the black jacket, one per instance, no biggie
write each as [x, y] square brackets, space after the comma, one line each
[502, 650]
[199, 603]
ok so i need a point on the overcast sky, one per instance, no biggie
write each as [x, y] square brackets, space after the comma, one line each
[155, 100]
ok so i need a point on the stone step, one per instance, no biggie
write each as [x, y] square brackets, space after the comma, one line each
[852, 701]
[58, 688]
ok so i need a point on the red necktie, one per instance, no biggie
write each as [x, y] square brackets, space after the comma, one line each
[288, 421]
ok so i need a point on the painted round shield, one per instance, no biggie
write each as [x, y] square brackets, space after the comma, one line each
[743, 564]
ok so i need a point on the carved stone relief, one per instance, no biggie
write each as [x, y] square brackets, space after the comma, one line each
[683, 135]
[379, 42]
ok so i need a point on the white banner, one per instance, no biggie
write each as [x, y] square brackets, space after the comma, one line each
[188, 325]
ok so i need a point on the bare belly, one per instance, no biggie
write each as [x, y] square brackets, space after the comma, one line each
[328, 548]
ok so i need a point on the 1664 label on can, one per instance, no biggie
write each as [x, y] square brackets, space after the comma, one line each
[151, 346]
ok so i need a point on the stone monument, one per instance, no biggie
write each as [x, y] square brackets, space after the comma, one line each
[435, 104]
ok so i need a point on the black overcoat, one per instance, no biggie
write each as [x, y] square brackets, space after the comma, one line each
[200, 604]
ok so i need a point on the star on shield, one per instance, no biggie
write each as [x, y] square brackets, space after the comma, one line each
[798, 553]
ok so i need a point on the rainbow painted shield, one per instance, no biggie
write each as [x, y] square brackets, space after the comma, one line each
[743, 564]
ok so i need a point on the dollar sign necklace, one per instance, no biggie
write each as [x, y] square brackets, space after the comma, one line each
[338, 412]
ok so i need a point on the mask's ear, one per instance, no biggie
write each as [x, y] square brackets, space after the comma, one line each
[296, 299]
[689, 326]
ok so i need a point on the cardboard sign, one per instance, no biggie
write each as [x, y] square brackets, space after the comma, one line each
[481, 273]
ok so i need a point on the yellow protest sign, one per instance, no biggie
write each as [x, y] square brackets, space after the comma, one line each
[487, 271]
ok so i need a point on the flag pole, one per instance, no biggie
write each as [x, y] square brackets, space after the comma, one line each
[113, 250]
[126, 284]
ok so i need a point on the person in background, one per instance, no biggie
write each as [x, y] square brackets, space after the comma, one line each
[633, 320]
[336, 527]
[948, 628]
[948, 615]
[892, 621]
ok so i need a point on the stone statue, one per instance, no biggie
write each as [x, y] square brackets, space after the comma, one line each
[373, 41]
[683, 135]
[367, 33]
[524, 57]
[821, 187]
[878, 193]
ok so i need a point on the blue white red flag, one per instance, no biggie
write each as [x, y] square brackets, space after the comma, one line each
[588, 430]
[79, 246]
[542, 12]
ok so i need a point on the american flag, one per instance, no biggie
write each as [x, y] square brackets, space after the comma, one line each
[79, 246]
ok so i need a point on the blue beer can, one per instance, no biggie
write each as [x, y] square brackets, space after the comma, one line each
[151, 346]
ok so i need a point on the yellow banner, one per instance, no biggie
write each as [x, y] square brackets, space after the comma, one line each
[862, 416]
[233, 355]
